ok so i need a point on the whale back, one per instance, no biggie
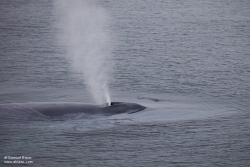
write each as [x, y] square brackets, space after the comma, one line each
[60, 109]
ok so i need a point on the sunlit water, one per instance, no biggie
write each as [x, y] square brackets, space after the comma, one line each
[187, 61]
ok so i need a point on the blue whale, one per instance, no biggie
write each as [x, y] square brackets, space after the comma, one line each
[59, 109]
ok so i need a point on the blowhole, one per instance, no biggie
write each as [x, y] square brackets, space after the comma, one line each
[112, 104]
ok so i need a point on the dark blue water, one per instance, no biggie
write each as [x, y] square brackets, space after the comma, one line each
[188, 61]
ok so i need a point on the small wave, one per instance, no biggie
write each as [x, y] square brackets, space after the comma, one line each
[18, 111]
[150, 98]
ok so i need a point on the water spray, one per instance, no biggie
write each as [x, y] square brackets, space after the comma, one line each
[85, 34]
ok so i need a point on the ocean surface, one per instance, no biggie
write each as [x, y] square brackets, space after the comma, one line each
[187, 61]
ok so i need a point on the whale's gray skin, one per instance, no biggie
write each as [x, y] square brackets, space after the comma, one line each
[59, 109]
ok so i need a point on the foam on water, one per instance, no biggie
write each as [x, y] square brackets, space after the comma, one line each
[169, 111]
[83, 30]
